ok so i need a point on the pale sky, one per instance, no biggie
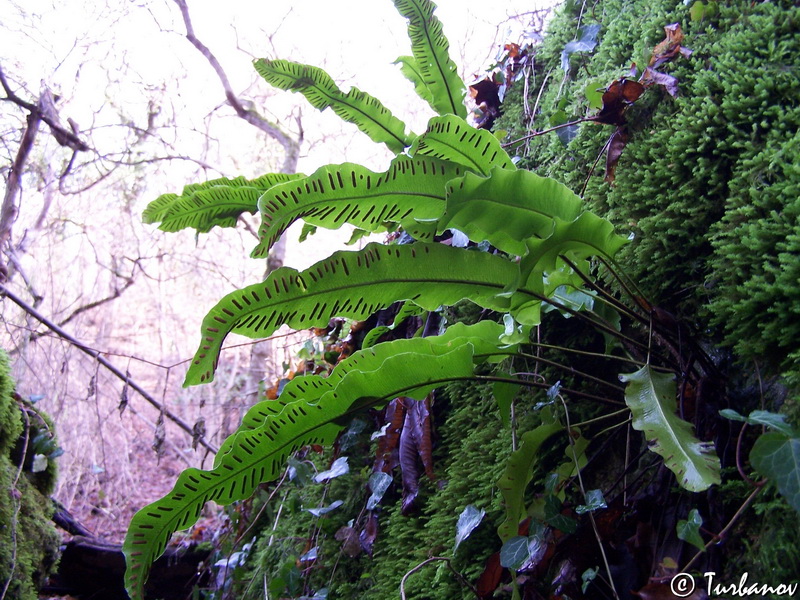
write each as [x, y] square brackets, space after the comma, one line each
[76, 46]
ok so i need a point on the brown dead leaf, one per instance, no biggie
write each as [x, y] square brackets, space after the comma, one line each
[616, 99]
[670, 46]
[615, 146]
[651, 77]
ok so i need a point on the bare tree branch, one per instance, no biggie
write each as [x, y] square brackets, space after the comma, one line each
[4, 291]
[290, 145]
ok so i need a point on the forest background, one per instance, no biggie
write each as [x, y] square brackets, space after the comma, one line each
[152, 111]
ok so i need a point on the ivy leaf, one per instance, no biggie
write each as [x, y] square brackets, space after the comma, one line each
[318, 512]
[776, 421]
[651, 397]
[514, 552]
[338, 468]
[553, 516]
[777, 457]
[689, 530]
[594, 501]
[586, 43]
[468, 520]
[594, 94]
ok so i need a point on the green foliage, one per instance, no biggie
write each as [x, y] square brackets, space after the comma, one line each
[257, 453]
[432, 61]
[651, 397]
[708, 180]
[356, 107]
[219, 203]
[30, 542]
[453, 178]
[410, 191]
[518, 474]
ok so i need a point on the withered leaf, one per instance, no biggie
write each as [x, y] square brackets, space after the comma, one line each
[198, 432]
[408, 464]
[415, 441]
[386, 454]
[351, 544]
[652, 77]
[369, 534]
[670, 46]
[491, 576]
[615, 146]
[616, 99]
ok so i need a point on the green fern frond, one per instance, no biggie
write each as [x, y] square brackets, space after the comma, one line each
[411, 190]
[352, 285]
[431, 52]
[256, 455]
[357, 107]
[218, 202]
[651, 397]
[451, 138]
[508, 207]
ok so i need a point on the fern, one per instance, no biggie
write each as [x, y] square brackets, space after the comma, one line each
[356, 107]
[219, 203]
[410, 191]
[259, 449]
[451, 177]
[431, 53]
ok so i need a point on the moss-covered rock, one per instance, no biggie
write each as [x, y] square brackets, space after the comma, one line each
[708, 183]
[29, 546]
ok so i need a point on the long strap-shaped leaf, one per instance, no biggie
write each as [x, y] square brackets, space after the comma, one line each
[483, 336]
[451, 138]
[432, 55]
[218, 202]
[651, 397]
[353, 285]
[258, 455]
[357, 107]
[410, 68]
[517, 475]
[588, 235]
[508, 207]
[411, 190]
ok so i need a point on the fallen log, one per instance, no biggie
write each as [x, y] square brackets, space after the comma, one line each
[93, 570]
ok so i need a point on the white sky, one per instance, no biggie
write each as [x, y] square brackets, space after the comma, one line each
[74, 44]
[109, 58]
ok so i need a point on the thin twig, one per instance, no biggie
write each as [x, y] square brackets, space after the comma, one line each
[583, 491]
[290, 145]
[721, 535]
[543, 131]
[428, 561]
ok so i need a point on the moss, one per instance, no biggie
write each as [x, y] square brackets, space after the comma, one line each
[708, 183]
[29, 548]
[709, 186]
